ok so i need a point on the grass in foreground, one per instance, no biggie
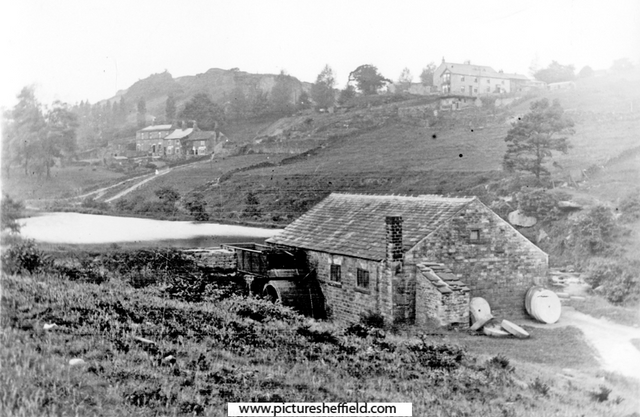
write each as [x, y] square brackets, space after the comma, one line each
[226, 349]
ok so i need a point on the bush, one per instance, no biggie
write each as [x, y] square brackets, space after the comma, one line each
[371, 319]
[593, 233]
[94, 204]
[630, 207]
[196, 206]
[619, 279]
[601, 395]
[25, 257]
[10, 212]
[540, 203]
[540, 387]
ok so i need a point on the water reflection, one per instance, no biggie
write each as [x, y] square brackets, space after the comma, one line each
[76, 228]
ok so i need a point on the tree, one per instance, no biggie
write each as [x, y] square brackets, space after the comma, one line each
[142, 113]
[239, 106]
[196, 206]
[207, 114]
[27, 127]
[322, 91]
[534, 136]
[121, 115]
[404, 81]
[281, 97]
[259, 105]
[555, 73]
[170, 109]
[586, 72]
[304, 101]
[252, 206]
[10, 212]
[60, 140]
[426, 76]
[622, 64]
[347, 94]
[368, 79]
[168, 197]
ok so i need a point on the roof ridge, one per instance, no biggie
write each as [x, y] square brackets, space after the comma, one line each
[406, 196]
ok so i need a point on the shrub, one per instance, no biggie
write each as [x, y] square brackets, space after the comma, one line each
[601, 395]
[438, 356]
[372, 319]
[540, 203]
[94, 204]
[25, 257]
[196, 206]
[540, 387]
[619, 278]
[262, 310]
[501, 362]
[10, 212]
[592, 234]
[630, 207]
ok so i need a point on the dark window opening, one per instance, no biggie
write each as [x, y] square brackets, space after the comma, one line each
[474, 235]
[362, 278]
[336, 273]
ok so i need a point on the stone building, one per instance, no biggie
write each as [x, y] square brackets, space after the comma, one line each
[414, 259]
[474, 80]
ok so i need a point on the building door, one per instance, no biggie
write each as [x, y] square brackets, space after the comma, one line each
[470, 90]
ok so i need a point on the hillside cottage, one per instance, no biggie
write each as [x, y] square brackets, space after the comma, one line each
[474, 80]
[166, 141]
[414, 259]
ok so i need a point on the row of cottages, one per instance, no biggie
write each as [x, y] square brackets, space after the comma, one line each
[416, 260]
[167, 141]
[474, 80]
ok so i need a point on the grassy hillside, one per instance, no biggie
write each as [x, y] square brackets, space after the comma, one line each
[159, 342]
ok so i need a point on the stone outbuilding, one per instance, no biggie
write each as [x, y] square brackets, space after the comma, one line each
[414, 259]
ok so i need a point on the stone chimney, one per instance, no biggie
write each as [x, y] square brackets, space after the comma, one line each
[394, 238]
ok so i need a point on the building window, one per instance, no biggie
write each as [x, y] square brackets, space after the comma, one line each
[462, 88]
[474, 235]
[488, 89]
[362, 278]
[502, 82]
[462, 78]
[475, 80]
[475, 90]
[488, 81]
[336, 273]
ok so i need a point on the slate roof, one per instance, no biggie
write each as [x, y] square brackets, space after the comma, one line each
[473, 70]
[179, 133]
[354, 224]
[442, 278]
[201, 135]
[155, 128]
[481, 71]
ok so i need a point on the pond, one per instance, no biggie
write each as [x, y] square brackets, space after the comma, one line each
[90, 229]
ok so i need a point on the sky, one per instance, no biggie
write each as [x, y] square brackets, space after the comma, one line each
[74, 50]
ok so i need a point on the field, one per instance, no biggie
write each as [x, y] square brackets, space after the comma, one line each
[64, 182]
[154, 345]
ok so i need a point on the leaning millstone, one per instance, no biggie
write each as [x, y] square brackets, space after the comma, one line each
[479, 309]
[76, 361]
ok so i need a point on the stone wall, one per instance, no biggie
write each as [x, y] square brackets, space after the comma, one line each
[428, 303]
[500, 265]
[222, 259]
[345, 301]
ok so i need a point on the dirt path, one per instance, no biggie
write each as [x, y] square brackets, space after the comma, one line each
[100, 192]
[137, 185]
[611, 341]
